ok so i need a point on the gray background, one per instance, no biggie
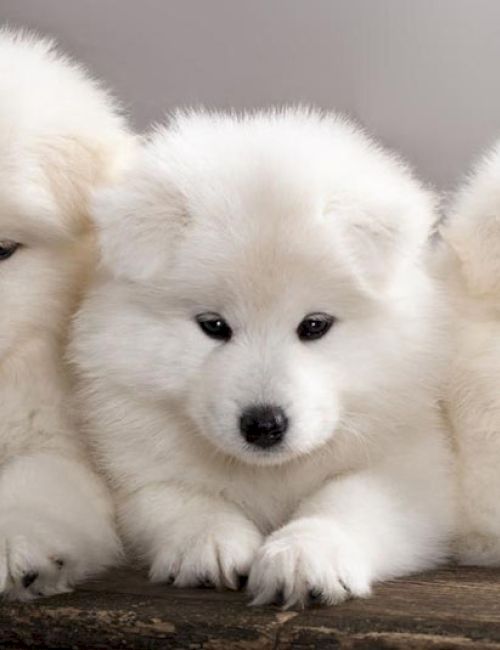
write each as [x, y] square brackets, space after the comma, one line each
[423, 75]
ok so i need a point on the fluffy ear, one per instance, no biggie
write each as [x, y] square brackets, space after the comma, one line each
[388, 235]
[61, 135]
[138, 220]
[472, 228]
[74, 167]
[47, 187]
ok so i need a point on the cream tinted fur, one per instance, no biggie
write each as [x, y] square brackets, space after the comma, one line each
[60, 136]
[469, 261]
[264, 219]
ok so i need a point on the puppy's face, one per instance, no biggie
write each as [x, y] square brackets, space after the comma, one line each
[40, 263]
[253, 280]
[265, 338]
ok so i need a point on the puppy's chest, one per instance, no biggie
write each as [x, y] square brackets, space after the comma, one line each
[476, 366]
[269, 496]
[27, 424]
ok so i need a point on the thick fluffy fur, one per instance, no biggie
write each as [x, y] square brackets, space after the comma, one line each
[264, 219]
[469, 261]
[60, 136]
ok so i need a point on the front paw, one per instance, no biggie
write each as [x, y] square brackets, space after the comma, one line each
[309, 561]
[43, 555]
[217, 553]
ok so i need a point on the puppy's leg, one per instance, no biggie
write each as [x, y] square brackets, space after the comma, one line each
[473, 407]
[56, 525]
[479, 461]
[355, 531]
[189, 538]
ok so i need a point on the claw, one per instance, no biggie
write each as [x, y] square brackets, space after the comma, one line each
[315, 596]
[205, 583]
[279, 598]
[29, 578]
[242, 582]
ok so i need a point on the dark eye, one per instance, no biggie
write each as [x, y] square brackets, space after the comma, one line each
[314, 326]
[214, 326]
[7, 249]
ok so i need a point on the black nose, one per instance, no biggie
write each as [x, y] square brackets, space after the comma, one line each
[263, 425]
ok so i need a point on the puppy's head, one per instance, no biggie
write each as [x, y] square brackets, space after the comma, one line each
[60, 136]
[256, 274]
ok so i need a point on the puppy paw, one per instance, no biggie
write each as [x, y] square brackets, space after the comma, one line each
[308, 562]
[218, 554]
[43, 556]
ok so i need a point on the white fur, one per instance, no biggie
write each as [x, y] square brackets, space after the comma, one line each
[266, 218]
[469, 261]
[60, 136]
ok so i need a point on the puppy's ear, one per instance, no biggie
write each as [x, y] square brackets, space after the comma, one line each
[472, 229]
[47, 187]
[388, 234]
[139, 220]
[73, 167]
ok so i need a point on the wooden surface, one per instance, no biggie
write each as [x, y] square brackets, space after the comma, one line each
[452, 608]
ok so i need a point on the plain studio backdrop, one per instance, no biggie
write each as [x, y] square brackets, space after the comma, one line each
[422, 75]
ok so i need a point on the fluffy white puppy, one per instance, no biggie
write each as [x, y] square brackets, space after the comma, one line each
[469, 261]
[60, 135]
[259, 359]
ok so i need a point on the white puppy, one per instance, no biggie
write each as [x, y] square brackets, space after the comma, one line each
[60, 136]
[260, 355]
[470, 263]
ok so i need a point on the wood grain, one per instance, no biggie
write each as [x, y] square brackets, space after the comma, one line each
[450, 608]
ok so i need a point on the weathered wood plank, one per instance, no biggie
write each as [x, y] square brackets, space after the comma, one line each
[452, 608]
